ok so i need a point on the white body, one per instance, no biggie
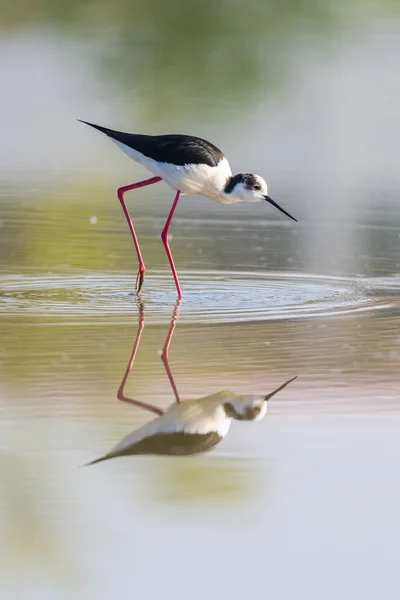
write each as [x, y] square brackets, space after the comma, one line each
[189, 179]
[201, 416]
[190, 416]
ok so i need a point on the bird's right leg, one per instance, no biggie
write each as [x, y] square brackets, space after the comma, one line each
[120, 393]
[120, 192]
[164, 355]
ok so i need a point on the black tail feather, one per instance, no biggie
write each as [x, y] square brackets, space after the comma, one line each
[175, 149]
[97, 460]
[110, 132]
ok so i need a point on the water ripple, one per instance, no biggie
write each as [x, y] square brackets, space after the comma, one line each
[212, 297]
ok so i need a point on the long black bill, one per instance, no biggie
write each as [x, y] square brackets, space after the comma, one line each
[279, 388]
[268, 199]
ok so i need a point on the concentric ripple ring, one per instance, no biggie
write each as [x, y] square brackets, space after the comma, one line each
[209, 297]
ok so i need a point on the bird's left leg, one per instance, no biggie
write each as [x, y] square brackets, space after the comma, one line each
[164, 237]
[164, 355]
[120, 393]
[120, 192]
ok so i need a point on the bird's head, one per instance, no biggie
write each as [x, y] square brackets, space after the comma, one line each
[247, 187]
[250, 407]
[246, 408]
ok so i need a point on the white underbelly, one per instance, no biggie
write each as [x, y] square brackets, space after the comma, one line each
[189, 179]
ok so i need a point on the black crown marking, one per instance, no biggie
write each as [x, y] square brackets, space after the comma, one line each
[248, 179]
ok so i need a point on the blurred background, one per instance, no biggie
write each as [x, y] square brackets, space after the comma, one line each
[303, 504]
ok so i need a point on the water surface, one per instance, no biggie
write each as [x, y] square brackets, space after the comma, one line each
[303, 504]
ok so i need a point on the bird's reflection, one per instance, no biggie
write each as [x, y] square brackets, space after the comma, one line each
[190, 426]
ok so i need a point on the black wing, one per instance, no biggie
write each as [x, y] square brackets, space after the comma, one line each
[167, 444]
[176, 444]
[175, 148]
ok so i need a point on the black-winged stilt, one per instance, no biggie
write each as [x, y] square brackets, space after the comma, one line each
[190, 426]
[190, 165]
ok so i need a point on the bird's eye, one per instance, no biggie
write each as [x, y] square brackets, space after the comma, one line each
[257, 187]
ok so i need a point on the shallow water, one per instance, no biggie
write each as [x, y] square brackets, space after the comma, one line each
[210, 297]
[303, 504]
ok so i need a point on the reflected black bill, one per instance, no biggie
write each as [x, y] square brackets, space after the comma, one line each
[268, 396]
[268, 199]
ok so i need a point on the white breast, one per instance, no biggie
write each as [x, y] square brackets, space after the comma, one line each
[200, 416]
[189, 179]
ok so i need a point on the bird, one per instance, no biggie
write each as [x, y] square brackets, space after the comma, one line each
[188, 426]
[192, 426]
[190, 165]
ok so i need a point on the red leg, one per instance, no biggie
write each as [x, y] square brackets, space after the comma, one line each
[164, 356]
[120, 393]
[164, 237]
[121, 191]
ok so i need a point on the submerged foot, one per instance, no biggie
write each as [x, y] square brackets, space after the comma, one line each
[140, 280]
